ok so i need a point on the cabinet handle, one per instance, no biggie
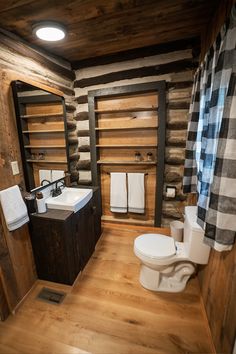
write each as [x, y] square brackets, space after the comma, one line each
[94, 208]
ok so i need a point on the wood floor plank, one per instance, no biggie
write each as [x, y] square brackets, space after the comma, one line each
[107, 311]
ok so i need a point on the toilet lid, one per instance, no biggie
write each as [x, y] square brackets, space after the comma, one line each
[155, 245]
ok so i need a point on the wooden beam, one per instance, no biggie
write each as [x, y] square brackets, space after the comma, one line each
[140, 53]
[177, 66]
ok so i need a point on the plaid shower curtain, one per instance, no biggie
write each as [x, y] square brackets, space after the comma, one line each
[210, 165]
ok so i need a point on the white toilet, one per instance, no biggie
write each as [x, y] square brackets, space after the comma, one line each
[168, 264]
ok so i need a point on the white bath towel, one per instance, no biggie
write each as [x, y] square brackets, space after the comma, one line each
[14, 208]
[118, 193]
[136, 193]
[45, 174]
[57, 174]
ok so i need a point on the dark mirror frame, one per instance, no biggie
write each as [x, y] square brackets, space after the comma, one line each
[19, 107]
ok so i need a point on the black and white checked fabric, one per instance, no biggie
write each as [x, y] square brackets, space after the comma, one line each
[206, 170]
[220, 229]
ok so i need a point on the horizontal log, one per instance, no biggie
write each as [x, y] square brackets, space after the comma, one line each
[138, 53]
[74, 176]
[176, 138]
[174, 156]
[72, 140]
[171, 210]
[178, 105]
[84, 148]
[83, 165]
[83, 133]
[173, 173]
[85, 182]
[81, 116]
[177, 66]
[82, 99]
[73, 165]
[73, 149]
[71, 125]
[74, 157]
[178, 85]
[177, 119]
[22, 47]
[70, 107]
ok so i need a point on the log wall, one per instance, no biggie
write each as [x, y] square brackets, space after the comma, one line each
[176, 66]
[20, 62]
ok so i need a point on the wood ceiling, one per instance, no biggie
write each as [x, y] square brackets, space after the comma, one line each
[103, 27]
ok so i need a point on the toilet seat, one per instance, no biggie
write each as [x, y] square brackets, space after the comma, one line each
[155, 246]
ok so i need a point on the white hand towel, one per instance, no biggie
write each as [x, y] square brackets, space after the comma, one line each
[45, 174]
[136, 193]
[57, 174]
[118, 193]
[14, 208]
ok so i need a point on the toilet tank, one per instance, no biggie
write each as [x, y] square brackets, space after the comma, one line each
[197, 251]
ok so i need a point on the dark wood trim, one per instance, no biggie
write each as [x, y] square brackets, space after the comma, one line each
[66, 134]
[161, 134]
[176, 66]
[23, 48]
[35, 99]
[124, 90]
[140, 53]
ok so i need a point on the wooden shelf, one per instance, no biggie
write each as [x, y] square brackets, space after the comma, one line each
[128, 146]
[135, 109]
[33, 116]
[105, 162]
[47, 161]
[126, 128]
[45, 146]
[43, 131]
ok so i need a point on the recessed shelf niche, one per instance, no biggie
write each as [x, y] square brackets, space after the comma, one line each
[123, 121]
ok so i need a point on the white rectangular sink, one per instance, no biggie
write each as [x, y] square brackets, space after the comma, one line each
[72, 199]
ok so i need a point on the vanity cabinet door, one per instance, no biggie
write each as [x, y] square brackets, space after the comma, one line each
[53, 249]
[84, 234]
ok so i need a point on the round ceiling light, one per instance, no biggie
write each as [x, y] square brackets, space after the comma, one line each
[49, 31]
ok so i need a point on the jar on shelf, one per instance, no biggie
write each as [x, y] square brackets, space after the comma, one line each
[137, 156]
[149, 156]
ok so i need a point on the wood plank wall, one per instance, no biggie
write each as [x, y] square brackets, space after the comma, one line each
[218, 278]
[20, 62]
[176, 66]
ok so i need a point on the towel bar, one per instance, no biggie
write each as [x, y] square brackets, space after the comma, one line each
[146, 173]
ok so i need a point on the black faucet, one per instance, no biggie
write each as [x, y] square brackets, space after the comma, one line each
[57, 191]
[44, 180]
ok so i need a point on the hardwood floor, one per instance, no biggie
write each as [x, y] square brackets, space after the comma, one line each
[107, 311]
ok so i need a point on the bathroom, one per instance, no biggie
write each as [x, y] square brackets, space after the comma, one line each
[115, 53]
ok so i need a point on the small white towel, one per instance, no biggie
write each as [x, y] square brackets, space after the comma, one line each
[136, 193]
[118, 193]
[14, 208]
[57, 174]
[45, 174]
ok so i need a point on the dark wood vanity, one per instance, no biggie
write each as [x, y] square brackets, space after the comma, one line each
[63, 241]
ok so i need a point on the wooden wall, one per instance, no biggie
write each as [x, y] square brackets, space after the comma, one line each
[19, 62]
[175, 64]
[218, 278]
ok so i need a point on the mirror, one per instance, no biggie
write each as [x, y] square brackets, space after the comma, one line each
[42, 131]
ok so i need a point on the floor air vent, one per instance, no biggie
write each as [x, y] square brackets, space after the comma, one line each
[51, 296]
